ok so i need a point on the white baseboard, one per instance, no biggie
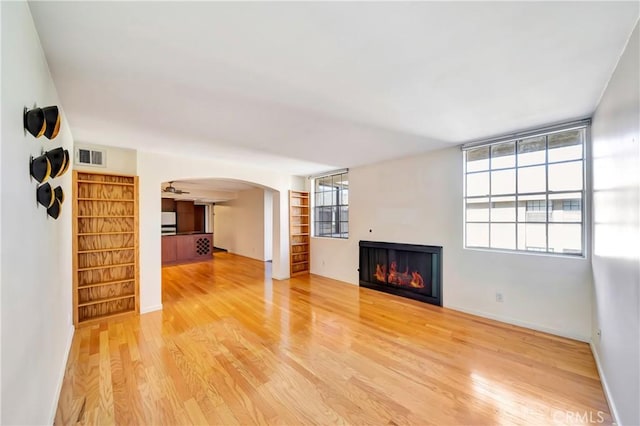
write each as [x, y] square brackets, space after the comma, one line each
[524, 324]
[148, 309]
[63, 369]
[605, 386]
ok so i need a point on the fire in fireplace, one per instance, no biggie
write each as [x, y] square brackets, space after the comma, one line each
[408, 270]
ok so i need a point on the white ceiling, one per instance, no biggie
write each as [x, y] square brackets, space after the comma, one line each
[310, 86]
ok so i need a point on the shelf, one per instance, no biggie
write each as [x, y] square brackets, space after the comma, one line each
[105, 233]
[300, 235]
[99, 318]
[105, 300]
[122, 200]
[300, 263]
[105, 250]
[299, 244]
[105, 217]
[93, 268]
[299, 252]
[95, 182]
[106, 283]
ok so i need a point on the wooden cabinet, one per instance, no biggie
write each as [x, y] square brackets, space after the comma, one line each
[169, 249]
[105, 246]
[168, 205]
[186, 248]
[185, 214]
[299, 232]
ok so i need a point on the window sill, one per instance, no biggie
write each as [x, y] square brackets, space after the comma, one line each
[529, 253]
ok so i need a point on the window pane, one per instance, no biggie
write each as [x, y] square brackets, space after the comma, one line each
[344, 229]
[318, 196]
[532, 236]
[531, 179]
[532, 208]
[566, 145]
[503, 209]
[477, 234]
[503, 155]
[566, 207]
[477, 159]
[503, 182]
[565, 238]
[344, 213]
[344, 196]
[565, 176]
[327, 198]
[323, 182]
[325, 214]
[531, 151]
[503, 235]
[478, 184]
[478, 210]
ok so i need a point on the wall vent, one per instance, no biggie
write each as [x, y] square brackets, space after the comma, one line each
[90, 157]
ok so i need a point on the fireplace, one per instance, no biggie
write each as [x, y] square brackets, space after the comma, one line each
[409, 270]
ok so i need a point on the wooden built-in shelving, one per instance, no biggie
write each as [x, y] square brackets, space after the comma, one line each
[299, 248]
[105, 246]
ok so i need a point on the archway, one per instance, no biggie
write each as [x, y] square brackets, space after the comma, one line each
[156, 168]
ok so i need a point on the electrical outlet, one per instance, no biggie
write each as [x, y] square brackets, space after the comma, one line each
[499, 297]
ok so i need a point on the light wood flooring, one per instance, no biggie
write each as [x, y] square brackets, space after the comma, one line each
[234, 347]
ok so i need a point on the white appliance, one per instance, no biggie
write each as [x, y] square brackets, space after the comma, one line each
[169, 224]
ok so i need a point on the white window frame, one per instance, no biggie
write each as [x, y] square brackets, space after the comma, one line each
[339, 203]
[585, 219]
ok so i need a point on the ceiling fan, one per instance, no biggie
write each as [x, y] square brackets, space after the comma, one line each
[173, 190]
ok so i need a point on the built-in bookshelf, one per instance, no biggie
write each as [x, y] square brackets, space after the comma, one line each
[105, 246]
[299, 232]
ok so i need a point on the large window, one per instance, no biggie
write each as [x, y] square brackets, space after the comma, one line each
[527, 194]
[331, 206]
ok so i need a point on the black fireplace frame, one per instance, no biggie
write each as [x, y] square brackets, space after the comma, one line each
[434, 299]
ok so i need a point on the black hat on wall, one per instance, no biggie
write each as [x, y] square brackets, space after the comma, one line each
[58, 161]
[34, 121]
[42, 121]
[58, 193]
[45, 195]
[55, 209]
[40, 168]
[52, 120]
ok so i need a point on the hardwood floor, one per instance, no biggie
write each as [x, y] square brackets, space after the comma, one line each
[233, 347]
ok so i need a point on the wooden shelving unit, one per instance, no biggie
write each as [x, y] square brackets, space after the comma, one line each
[299, 230]
[105, 246]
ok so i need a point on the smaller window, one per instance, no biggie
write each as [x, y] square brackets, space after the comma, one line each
[574, 204]
[538, 206]
[331, 206]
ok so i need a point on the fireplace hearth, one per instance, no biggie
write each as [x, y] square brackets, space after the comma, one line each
[409, 270]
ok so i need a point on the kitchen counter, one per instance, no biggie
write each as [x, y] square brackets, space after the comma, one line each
[185, 247]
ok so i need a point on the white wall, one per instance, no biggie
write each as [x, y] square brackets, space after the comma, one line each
[240, 224]
[36, 251]
[616, 237]
[419, 200]
[118, 160]
[268, 225]
[155, 168]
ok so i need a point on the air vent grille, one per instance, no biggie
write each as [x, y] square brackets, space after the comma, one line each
[90, 157]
